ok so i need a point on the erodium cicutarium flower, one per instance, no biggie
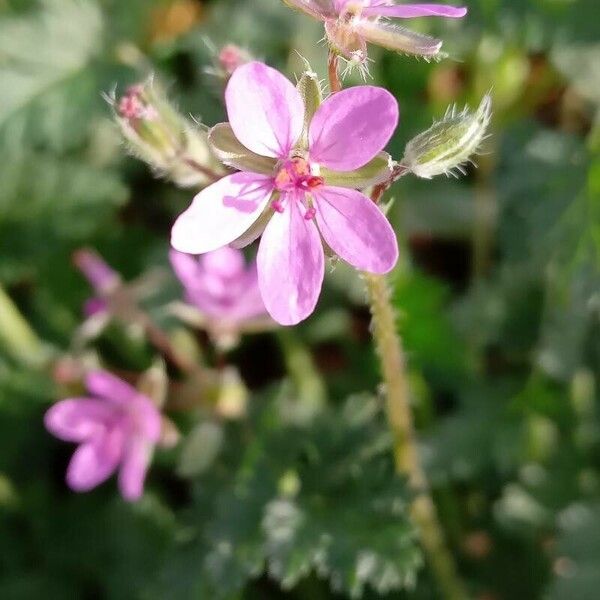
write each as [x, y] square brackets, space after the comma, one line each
[351, 24]
[223, 292]
[116, 428]
[285, 191]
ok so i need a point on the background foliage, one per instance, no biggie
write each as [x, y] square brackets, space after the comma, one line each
[497, 296]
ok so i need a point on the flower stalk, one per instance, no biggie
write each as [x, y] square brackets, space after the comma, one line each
[406, 456]
[399, 415]
[335, 83]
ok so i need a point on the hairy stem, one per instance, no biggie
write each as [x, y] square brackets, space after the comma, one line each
[406, 456]
[335, 84]
[399, 414]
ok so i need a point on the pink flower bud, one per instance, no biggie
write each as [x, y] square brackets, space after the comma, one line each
[231, 57]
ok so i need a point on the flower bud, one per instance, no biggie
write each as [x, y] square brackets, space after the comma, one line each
[231, 57]
[448, 144]
[157, 134]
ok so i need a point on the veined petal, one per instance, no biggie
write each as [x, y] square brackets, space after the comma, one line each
[410, 11]
[351, 127]
[265, 110]
[95, 461]
[318, 9]
[399, 39]
[221, 212]
[133, 469]
[107, 386]
[356, 230]
[231, 152]
[374, 172]
[78, 419]
[291, 266]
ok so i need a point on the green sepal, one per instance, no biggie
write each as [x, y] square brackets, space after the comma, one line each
[232, 153]
[310, 90]
[374, 172]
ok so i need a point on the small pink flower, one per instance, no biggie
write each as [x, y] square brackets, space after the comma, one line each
[350, 24]
[224, 291]
[286, 196]
[116, 427]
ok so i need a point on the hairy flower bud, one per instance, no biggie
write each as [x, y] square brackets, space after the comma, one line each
[448, 144]
[157, 134]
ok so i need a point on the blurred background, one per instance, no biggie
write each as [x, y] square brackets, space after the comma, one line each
[291, 493]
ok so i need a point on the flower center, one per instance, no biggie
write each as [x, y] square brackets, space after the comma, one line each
[296, 178]
[295, 175]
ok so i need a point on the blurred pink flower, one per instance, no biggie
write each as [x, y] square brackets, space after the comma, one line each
[350, 24]
[285, 195]
[224, 290]
[116, 428]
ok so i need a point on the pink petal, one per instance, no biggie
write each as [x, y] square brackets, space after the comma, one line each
[100, 275]
[265, 110]
[146, 420]
[225, 262]
[250, 303]
[133, 468]
[409, 11]
[290, 266]
[221, 212]
[95, 306]
[78, 419]
[95, 461]
[107, 386]
[352, 127]
[186, 267]
[356, 230]
[318, 9]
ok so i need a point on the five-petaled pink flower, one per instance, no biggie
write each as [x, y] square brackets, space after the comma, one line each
[350, 24]
[286, 196]
[116, 428]
[224, 292]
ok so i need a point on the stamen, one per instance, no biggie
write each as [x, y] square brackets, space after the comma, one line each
[277, 205]
[310, 213]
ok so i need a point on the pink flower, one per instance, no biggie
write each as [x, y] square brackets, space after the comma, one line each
[223, 290]
[350, 24]
[285, 191]
[116, 428]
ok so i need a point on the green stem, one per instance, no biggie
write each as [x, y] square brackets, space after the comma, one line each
[408, 462]
[17, 336]
[399, 414]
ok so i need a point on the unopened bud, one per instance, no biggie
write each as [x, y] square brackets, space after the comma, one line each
[231, 57]
[100, 275]
[157, 134]
[448, 144]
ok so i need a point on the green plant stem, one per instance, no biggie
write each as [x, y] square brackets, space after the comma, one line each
[17, 336]
[399, 414]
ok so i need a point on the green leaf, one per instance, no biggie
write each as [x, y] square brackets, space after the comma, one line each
[47, 84]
